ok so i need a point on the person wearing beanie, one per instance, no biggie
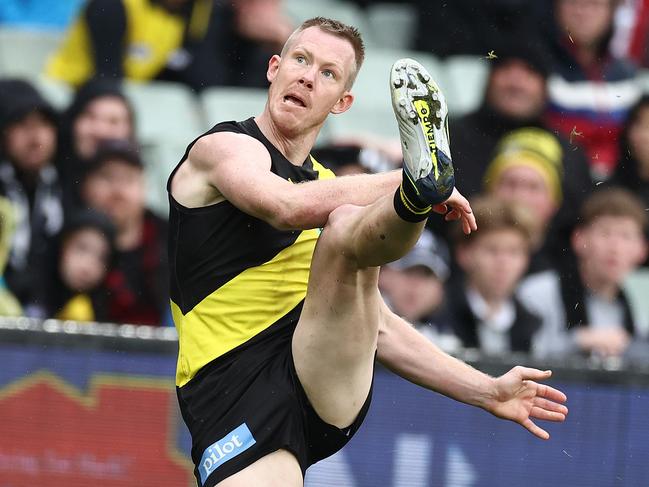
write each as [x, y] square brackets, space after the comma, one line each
[99, 111]
[29, 180]
[113, 182]
[73, 287]
[515, 97]
[527, 170]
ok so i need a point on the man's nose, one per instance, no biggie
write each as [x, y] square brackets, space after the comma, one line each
[307, 79]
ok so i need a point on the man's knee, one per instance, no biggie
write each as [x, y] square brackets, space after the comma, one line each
[337, 234]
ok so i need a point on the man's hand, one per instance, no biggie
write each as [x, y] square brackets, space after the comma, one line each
[606, 342]
[460, 209]
[519, 398]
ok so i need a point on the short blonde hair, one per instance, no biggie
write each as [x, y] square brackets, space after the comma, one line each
[339, 29]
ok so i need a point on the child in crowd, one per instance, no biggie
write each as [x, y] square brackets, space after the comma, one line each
[75, 288]
[413, 287]
[584, 307]
[484, 310]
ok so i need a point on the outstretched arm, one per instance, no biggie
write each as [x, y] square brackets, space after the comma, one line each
[515, 396]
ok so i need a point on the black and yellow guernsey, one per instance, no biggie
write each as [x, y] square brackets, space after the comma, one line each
[233, 276]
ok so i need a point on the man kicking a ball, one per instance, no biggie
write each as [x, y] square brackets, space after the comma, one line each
[280, 322]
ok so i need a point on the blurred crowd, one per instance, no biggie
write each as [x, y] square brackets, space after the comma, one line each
[555, 162]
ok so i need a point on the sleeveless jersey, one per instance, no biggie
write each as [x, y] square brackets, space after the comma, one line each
[234, 276]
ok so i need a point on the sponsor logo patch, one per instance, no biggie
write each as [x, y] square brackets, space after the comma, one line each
[228, 447]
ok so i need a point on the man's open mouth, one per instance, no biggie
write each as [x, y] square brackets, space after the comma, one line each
[294, 100]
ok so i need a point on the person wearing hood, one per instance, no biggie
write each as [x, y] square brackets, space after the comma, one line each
[99, 112]
[29, 180]
[74, 286]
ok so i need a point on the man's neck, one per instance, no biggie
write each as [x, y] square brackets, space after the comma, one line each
[295, 148]
[597, 285]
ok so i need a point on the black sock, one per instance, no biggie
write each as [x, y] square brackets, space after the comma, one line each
[407, 202]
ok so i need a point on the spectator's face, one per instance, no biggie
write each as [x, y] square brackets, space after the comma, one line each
[610, 248]
[104, 118]
[117, 189]
[587, 21]
[516, 90]
[84, 259]
[413, 293]
[309, 81]
[524, 185]
[639, 141]
[30, 143]
[494, 262]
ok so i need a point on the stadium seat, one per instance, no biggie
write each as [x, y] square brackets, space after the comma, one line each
[392, 25]
[24, 52]
[372, 109]
[164, 111]
[221, 104]
[159, 160]
[465, 81]
[637, 289]
[57, 93]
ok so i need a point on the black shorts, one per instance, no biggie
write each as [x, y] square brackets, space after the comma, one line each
[249, 403]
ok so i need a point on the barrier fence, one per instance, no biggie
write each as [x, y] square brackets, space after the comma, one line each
[95, 404]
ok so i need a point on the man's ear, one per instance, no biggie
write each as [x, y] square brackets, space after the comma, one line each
[273, 67]
[343, 103]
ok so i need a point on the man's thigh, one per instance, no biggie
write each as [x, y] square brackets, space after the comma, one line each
[278, 469]
[334, 343]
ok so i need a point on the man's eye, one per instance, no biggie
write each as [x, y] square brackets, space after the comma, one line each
[300, 59]
[328, 74]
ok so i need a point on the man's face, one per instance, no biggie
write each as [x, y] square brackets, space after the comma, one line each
[524, 185]
[610, 248]
[495, 262]
[30, 143]
[105, 118]
[117, 189]
[516, 90]
[413, 293]
[310, 80]
[587, 21]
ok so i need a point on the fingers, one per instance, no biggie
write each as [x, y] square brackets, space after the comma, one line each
[535, 430]
[551, 406]
[532, 374]
[545, 415]
[441, 209]
[551, 393]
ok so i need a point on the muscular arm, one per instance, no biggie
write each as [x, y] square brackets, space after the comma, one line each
[514, 396]
[237, 167]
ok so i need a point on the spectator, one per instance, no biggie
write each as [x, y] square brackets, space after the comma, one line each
[527, 171]
[633, 170]
[591, 90]
[413, 287]
[137, 284]
[196, 42]
[29, 179]
[631, 33]
[515, 97]
[584, 309]
[485, 312]
[74, 289]
[9, 305]
[99, 112]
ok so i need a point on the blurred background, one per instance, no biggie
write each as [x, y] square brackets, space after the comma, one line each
[549, 124]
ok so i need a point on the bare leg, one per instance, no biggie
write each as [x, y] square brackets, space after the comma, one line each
[336, 337]
[278, 469]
